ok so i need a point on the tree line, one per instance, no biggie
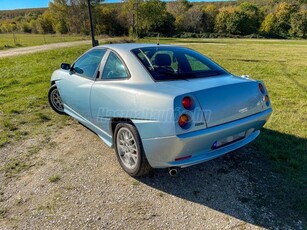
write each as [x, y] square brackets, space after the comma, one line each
[179, 18]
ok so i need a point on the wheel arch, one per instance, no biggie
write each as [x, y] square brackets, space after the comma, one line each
[117, 120]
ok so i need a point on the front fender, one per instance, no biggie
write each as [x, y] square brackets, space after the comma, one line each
[59, 75]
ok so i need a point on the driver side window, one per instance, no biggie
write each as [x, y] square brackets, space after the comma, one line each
[87, 65]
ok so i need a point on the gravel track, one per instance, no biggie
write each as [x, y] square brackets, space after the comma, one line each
[93, 192]
[35, 49]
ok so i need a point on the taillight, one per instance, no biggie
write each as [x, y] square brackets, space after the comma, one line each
[267, 100]
[187, 103]
[184, 121]
[261, 88]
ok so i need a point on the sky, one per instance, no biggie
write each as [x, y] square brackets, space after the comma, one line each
[22, 4]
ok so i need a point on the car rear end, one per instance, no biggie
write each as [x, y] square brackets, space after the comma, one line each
[211, 122]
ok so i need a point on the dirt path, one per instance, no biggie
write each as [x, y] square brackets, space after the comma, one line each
[35, 49]
[75, 182]
[94, 193]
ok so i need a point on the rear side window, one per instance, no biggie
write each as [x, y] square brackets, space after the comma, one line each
[87, 64]
[114, 68]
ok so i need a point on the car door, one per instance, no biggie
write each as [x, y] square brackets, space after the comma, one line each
[105, 98]
[75, 89]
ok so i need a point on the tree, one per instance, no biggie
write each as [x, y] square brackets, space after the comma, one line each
[253, 17]
[151, 15]
[107, 21]
[45, 23]
[60, 15]
[25, 27]
[242, 20]
[34, 25]
[193, 19]
[278, 22]
[71, 16]
[208, 20]
[178, 9]
[283, 15]
[168, 24]
[131, 13]
[79, 19]
[269, 24]
[299, 24]
[145, 16]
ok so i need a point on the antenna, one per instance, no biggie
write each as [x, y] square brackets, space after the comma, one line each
[158, 39]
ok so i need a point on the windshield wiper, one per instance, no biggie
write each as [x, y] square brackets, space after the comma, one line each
[148, 60]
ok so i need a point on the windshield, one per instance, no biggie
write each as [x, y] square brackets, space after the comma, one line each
[176, 63]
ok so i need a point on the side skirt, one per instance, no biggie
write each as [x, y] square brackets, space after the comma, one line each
[107, 138]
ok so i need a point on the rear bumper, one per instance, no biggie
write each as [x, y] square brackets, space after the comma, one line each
[161, 152]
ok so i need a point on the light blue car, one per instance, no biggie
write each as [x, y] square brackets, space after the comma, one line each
[160, 106]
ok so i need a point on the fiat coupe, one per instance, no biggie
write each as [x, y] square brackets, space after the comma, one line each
[160, 106]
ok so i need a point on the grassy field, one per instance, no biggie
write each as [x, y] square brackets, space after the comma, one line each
[22, 40]
[23, 88]
[280, 64]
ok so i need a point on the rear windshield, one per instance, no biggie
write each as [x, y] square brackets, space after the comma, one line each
[176, 63]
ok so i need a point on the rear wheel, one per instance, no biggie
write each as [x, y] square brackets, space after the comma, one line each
[55, 100]
[129, 150]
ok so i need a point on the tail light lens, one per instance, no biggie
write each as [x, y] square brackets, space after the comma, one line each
[184, 121]
[267, 100]
[261, 88]
[187, 103]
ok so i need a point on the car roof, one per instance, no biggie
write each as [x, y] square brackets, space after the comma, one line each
[126, 47]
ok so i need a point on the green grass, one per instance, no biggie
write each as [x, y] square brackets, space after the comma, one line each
[228, 41]
[22, 40]
[14, 167]
[24, 84]
[54, 178]
[24, 109]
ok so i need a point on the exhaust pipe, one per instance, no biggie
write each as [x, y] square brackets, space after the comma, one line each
[172, 171]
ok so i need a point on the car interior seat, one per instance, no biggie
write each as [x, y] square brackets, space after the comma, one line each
[163, 62]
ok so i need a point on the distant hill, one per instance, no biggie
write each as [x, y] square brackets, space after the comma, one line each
[262, 18]
[10, 14]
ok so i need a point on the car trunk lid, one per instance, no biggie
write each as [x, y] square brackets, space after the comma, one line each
[227, 103]
[224, 98]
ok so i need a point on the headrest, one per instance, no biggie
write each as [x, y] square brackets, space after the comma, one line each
[163, 60]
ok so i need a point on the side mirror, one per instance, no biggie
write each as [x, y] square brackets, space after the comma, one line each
[65, 66]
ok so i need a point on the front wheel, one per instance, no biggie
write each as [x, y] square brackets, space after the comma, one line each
[129, 150]
[55, 100]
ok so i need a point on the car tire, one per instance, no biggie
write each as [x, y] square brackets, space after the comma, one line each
[129, 150]
[55, 100]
